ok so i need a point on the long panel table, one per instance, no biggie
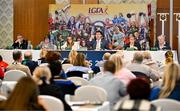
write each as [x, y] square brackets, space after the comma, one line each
[94, 56]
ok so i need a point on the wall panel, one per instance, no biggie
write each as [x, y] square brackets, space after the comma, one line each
[31, 19]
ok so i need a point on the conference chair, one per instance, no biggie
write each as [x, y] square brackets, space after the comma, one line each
[78, 81]
[90, 93]
[52, 103]
[7, 87]
[14, 75]
[66, 66]
[167, 104]
[142, 75]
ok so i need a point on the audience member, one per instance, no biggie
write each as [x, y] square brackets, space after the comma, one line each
[3, 64]
[161, 44]
[42, 58]
[16, 65]
[105, 57]
[113, 86]
[168, 57]
[52, 56]
[29, 62]
[20, 43]
[138, 67]
[80, 64]
[121, 72]
[170, 85]
[1, 74]
[24, 96]
[72, 56]
[147, 60]
[59, 78]
[139, 92]
[42, 76]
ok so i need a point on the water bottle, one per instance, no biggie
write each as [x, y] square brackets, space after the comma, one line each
[147, 45]
[29, 45]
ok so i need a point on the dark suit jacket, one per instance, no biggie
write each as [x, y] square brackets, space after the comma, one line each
[136, 45]
[53, 90]
[166, 46]
[23, 45]
[31, 64]
[104, 44]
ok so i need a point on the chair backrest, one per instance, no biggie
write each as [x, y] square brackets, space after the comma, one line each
[78, 81]
[52, 103]
[75, 74]
[2, 98]
[90, 93]
[167, 104]
[141, 75]
[14, 75]
[7, 87]
[66, 66]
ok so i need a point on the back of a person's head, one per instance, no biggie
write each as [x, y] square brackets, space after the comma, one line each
[24, 95]
[110, 66]
[72, 56]
[17, 55]
[170, 78]
[1, 59]
[52, 56]
[168, 57]
[116, 58]
[55, 68]
[28, 55]
[146, 55]
[106, 56]
[41, 74]
[80, 60]
[138, 57]
[139, 88]
[43, 53]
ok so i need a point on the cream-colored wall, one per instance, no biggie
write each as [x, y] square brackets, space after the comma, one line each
[6, 23]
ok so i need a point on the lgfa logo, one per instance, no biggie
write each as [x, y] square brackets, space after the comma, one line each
[98, 11]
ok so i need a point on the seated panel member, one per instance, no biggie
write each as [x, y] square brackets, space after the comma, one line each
[20, 43]
[132, 44]
[162, 44]
[69, 44]
[98, 43]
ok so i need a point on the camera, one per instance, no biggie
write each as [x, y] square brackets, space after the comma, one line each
[128, 15]
[142, 14]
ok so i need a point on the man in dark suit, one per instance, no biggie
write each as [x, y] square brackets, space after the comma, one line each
[98, 43]
[29, 62]
[20, 43]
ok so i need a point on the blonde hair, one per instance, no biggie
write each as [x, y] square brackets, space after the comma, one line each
[41, 71]
[168, 57]
[170, 78]
[43, 53]
[106, 56]
[80, 60]
[146, 55]
[72, 56]
[116, 58]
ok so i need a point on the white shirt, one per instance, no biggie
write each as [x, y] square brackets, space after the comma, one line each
[98, 44]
